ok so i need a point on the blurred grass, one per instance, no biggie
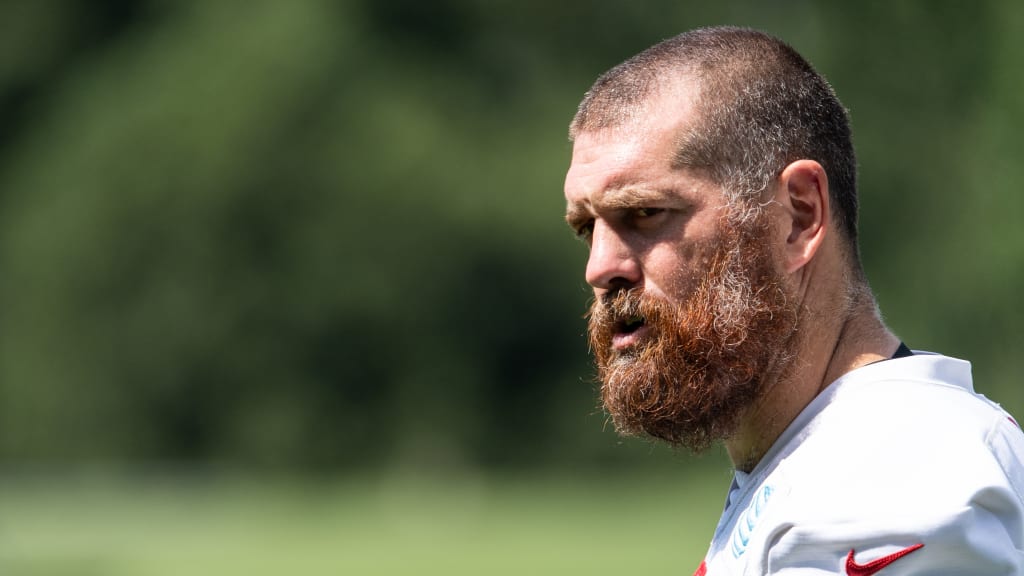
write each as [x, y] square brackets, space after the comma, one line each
[396, 525]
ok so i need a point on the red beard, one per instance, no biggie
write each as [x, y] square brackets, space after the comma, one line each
[703, 362]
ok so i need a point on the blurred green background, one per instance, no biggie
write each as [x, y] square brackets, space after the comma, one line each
[286, 285]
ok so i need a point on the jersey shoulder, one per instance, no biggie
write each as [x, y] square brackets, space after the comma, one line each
[897, 455]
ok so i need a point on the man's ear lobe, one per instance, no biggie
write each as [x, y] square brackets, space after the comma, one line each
[803, 194]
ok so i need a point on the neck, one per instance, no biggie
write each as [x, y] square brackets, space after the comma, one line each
[830, 344]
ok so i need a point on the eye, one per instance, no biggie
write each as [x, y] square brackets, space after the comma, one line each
[646, 216]
[647, 212]
[585, 230]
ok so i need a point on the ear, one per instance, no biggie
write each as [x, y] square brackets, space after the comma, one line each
[803, 195]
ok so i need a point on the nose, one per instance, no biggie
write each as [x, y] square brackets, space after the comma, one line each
[612, 263]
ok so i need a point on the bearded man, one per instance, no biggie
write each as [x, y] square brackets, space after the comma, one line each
[714, 179]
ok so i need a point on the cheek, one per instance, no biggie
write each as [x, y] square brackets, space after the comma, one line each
[676, 271]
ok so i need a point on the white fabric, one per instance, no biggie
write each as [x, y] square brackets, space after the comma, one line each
[894, 454]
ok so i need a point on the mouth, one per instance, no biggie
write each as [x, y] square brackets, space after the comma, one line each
[629, 325]
[628, 332]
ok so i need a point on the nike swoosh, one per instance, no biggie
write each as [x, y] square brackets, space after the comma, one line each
[854, 569]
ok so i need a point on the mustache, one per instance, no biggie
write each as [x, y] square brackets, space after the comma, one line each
[618, 305]
[625, 305]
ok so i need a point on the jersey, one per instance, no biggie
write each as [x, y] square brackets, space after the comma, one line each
[897, 468]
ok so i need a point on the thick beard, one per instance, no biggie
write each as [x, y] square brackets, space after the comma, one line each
[705, 361]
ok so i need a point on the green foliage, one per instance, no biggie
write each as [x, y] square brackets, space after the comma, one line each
[328, 235]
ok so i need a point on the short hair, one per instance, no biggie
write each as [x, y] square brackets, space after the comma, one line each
[760, 107]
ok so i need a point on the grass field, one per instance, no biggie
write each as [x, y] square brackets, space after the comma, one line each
[398, 525]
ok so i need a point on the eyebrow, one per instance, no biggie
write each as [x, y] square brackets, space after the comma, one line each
[632, 197]
[625, 198]
[576, 215]
[617, 199]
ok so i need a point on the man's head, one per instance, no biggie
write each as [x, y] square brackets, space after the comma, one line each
[758, 105]
[704, 176]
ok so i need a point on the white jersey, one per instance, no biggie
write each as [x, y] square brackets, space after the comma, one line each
[898, 467]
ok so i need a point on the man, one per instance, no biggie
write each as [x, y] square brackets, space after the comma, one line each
[714, 180]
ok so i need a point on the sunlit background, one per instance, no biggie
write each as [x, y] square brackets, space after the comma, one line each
[286, 287]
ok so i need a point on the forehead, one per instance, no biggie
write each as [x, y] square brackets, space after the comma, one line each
[637, 153]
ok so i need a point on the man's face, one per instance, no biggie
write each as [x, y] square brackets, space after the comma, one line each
[690, 312]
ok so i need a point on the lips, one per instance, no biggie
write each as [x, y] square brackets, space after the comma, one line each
[628, 332]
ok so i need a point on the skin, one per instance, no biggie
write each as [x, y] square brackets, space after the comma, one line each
[652, 226]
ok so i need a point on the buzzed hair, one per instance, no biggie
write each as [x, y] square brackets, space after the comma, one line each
[760, 107]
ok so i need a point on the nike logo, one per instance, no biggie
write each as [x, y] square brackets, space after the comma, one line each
[873, 567]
